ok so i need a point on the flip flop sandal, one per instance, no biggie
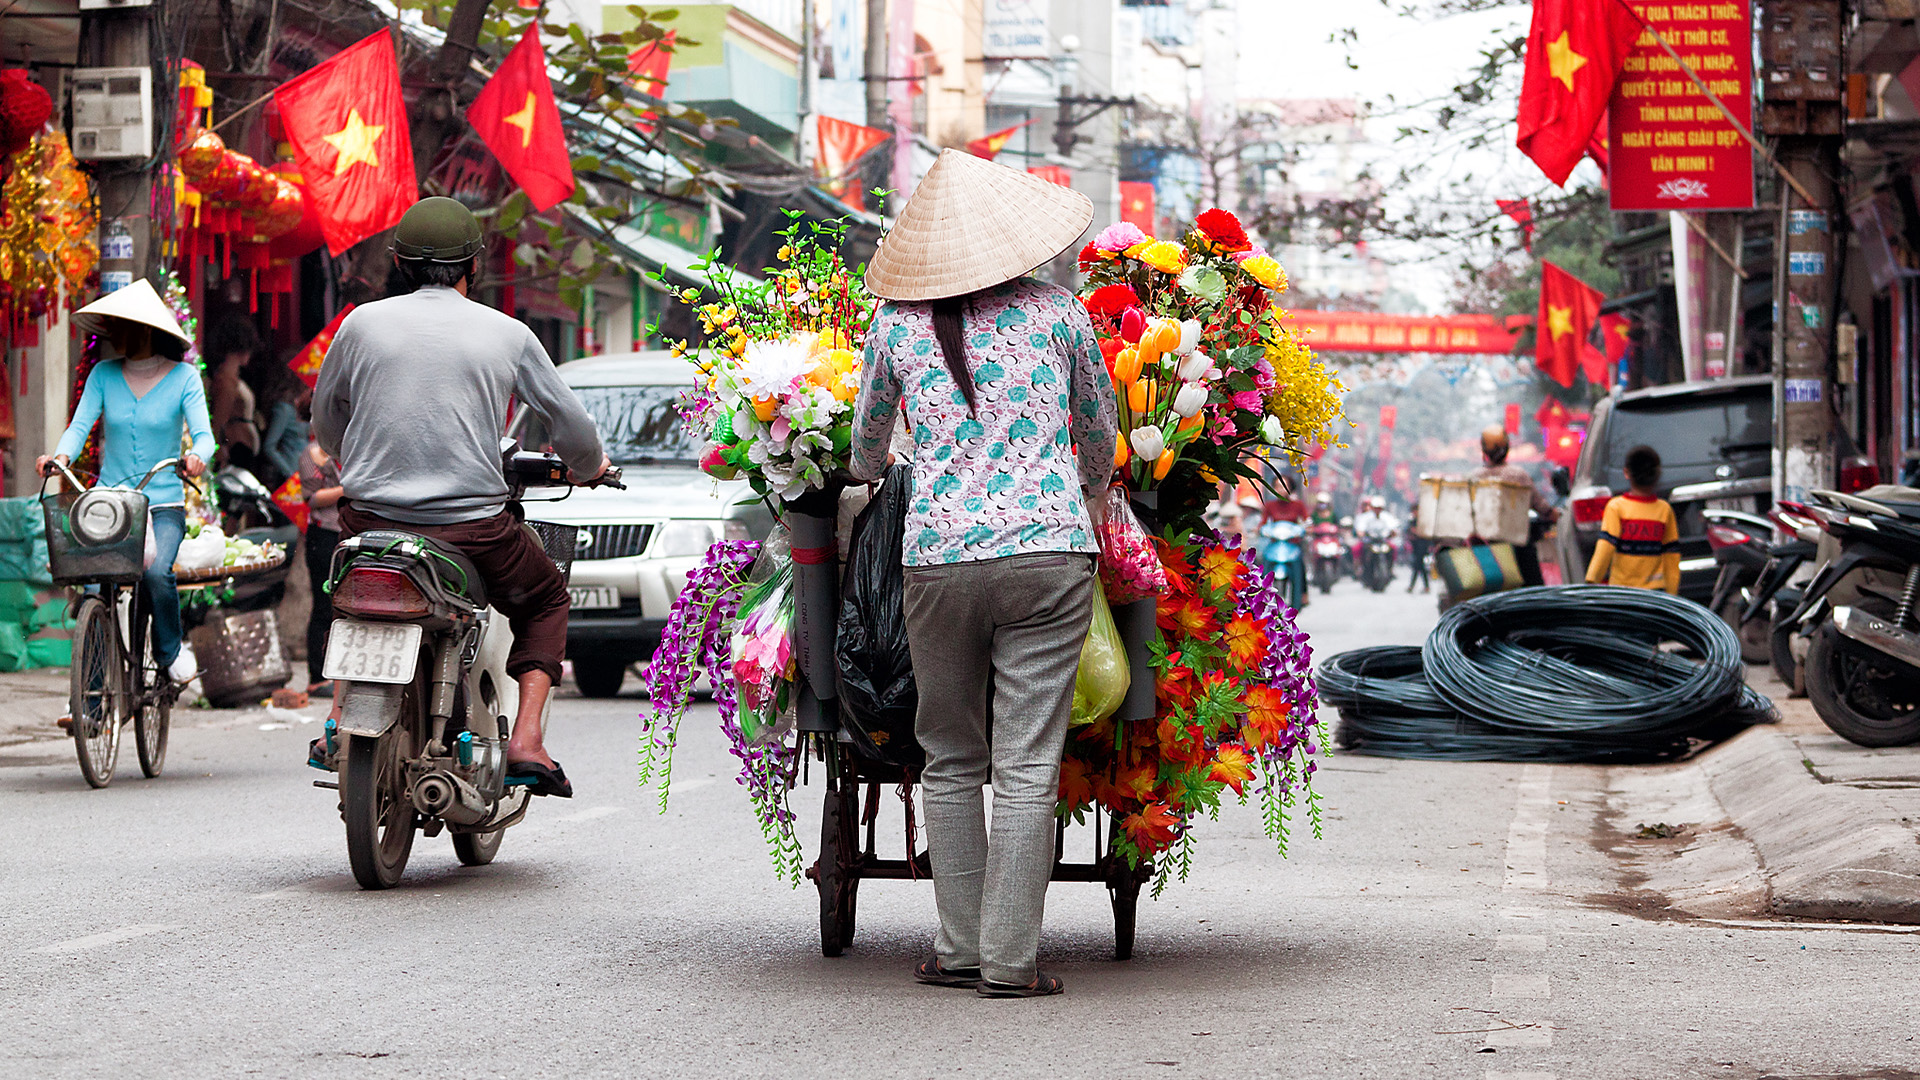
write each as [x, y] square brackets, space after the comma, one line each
[931, 973]
[1042, 986]
[539, 779]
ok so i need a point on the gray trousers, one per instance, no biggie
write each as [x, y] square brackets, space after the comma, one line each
[996, 645]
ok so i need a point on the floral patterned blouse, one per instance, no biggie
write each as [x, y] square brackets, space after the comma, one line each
[1008, 480]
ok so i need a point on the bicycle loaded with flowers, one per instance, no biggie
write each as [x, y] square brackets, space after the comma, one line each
[1211, 379]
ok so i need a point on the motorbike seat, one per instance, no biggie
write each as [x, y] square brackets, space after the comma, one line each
[466, 577]
[1904, 501]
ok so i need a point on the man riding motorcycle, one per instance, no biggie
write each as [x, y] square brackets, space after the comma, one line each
[1493, 455]
[412, 401]
[1374, 523]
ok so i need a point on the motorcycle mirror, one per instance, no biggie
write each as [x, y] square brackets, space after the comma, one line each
[1562, 480]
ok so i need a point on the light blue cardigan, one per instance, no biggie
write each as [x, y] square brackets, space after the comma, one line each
[141, 432]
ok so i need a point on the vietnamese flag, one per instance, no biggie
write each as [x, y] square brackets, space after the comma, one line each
[1574, 52]
[989, 145]
[1136, 204]
[1521, 211]
[842, 144]
[348, 126]
[649, 65]
[1568, 308]
[515, 115]
[1612, 350]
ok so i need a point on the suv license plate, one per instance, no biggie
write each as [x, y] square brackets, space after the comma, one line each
[372, 652]
[594, 596]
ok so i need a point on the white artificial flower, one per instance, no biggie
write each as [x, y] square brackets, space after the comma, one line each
[1191, 399]
[1195, 367]
[1148, 443]
[769, 368]
[1271, 431]
[1189, 336]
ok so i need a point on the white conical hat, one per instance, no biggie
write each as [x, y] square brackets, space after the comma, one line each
[135, 303]
[971, 224]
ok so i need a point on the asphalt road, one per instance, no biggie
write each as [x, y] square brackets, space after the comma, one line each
[1455, 921]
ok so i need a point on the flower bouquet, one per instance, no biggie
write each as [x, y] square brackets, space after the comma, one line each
[777, 385]
[1211, 379]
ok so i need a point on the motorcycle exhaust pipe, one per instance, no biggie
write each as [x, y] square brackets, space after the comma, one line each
[446, 796]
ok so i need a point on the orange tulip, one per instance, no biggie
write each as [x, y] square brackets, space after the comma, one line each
[1137, 397]
[1163, 466]
[1126, 366]
[764, 408]
[1166, 336]
[1191, 424]
[1121, 452]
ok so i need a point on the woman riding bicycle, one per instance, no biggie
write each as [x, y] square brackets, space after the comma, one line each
[144, 400]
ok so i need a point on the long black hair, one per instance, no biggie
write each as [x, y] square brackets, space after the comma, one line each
[948, 329]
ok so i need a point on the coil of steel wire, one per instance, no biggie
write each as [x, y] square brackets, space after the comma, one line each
[1562, 673]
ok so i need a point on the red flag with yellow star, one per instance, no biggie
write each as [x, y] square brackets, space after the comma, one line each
[1574, 52]
[1568, 307]
[347, 122]
[515, 115]
[987, 146]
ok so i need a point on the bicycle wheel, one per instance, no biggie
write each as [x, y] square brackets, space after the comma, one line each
[152, 696]
[96, 691]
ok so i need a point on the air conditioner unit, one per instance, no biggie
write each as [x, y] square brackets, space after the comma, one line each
[112, 112]
[100, 5]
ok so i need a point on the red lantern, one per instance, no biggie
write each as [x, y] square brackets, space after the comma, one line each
[24, 109]
[201, 156]
[283, 214]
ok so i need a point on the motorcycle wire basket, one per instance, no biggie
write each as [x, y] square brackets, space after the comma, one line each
[116, 521]
[560, 542]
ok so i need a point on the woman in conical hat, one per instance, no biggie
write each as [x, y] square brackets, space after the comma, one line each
[1013, 421]
[144, 398]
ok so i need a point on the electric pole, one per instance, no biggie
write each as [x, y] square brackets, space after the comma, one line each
[1802, 79]
[117, 38]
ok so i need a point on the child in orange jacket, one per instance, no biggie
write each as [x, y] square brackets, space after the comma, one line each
[1639, 537]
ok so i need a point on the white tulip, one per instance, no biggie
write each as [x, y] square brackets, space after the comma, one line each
[1189, 336]
[1195, 367]
[1148, 443]
[1271, 431]
[1191, 399]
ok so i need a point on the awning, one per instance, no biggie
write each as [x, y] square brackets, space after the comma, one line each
[655, 253]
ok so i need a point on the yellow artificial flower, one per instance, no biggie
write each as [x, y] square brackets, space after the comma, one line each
[689, 295]
[1164, 256]
[1267, 272]
[785, 253]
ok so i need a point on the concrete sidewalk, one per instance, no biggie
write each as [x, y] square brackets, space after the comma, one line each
[1836, 826]
[30, 702]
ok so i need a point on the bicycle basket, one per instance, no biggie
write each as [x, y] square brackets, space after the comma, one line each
[560, 542]
[115, 519]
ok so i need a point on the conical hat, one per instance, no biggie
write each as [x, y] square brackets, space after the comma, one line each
[135, 303]
[971, 224]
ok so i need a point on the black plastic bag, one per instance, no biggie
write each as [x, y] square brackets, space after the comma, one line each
[877, 694]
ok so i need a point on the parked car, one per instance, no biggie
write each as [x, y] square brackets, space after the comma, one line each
[636, 546]
[1715, 441]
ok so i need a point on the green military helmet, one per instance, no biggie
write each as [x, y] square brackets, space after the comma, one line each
[438, 229]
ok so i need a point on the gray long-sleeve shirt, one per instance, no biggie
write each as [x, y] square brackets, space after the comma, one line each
[412, 401]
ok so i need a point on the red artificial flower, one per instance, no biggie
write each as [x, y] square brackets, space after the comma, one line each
[1187, 617]
[1137, 782]
[1186, 745]
[1175, 684]
[1076, 785]
[1246, 641]
[1091, 257]
[1267, 711]
[1152, 829]
[1222, 569]
[1232, 766]
[1111, 300]
[1223, 231]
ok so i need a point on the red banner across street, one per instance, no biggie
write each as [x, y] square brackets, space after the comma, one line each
[1344, 331]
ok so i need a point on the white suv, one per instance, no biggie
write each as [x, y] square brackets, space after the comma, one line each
[636, 546]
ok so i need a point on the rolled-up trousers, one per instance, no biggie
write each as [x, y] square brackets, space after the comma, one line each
[996, 645]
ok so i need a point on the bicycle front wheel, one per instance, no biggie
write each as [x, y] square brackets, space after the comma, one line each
[94, 701]
[154, 700]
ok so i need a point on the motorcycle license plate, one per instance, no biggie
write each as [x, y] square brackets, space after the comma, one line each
[372, 652]
[1326, 550]
[594, 596]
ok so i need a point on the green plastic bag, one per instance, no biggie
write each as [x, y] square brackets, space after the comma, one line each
[1104, 678]
[13, 648]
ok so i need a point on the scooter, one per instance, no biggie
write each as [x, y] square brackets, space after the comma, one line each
[248, 512]
[1284, 559]
[1740, 543]
[1773, 598]
[1328, 552]
[1859, 616]
[1376, 567]
[419, 660]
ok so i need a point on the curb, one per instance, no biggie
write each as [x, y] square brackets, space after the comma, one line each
[1829, 851]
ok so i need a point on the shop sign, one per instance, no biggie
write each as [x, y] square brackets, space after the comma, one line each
[1802, 390]
[1016, 30]
[1669, 147]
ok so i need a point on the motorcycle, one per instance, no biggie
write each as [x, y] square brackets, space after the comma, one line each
[248, 512]
[1376, 567]
[1282, 557]
[1773, 597]
[420, 663]
[1740, 542]
[1328, 551]
[1858, 614]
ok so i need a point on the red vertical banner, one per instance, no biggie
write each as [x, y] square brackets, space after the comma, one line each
[1389, 416]
[1136, 204]
[1513, 419]
[1670, 148]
